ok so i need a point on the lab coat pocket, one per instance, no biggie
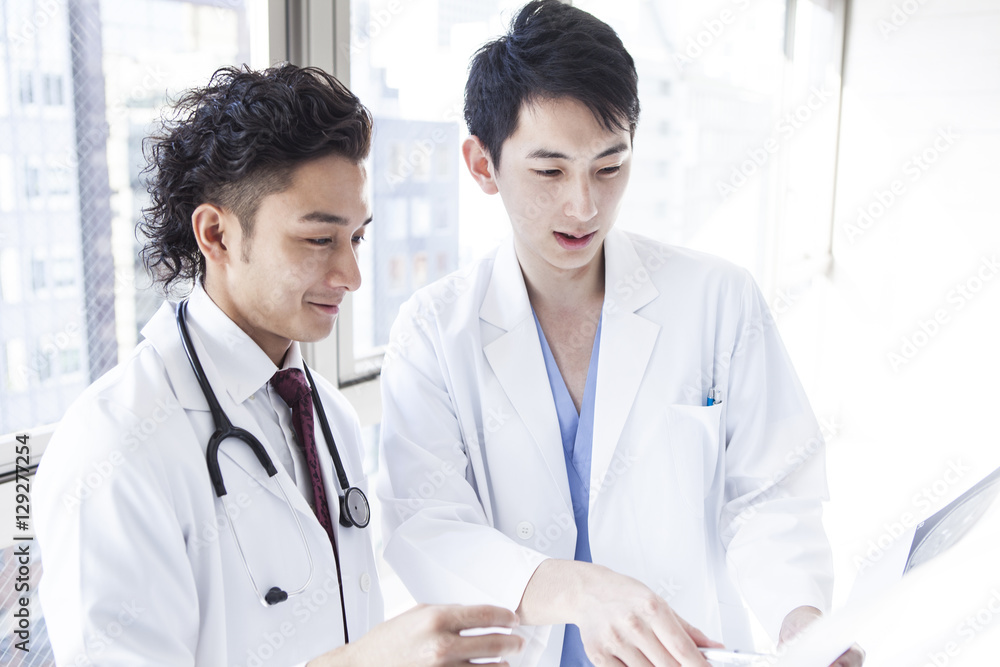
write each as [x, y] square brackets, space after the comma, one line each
[693, 433]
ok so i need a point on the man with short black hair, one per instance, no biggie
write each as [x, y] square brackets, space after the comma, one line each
[203, 503]
[590, 427]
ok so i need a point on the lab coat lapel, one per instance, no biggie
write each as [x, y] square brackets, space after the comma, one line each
[516, 359]
[163, 334]
[627, 341]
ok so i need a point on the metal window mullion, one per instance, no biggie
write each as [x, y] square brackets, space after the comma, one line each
[317, 33]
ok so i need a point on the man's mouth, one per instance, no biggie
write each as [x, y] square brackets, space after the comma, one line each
[572, 242]
[330, 309]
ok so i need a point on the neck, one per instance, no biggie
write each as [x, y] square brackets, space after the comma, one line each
[275, 347]
[551, 287]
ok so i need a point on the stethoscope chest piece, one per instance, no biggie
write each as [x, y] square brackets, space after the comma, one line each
[354, 509]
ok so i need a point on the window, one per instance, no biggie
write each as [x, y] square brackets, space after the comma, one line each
[69, 360]
[417, 192]
[17, 365]
[730, 117]
[8, 189]
[120, 68]
[63, 271]
[39, 275]
[58, 180]
[43, 362]
[32, 181]
[27, 88]
[10, 275]
[52, 87]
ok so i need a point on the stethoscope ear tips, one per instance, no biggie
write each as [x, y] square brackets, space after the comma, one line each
[275, 595]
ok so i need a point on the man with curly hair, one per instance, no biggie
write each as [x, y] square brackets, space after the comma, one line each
[150, 556]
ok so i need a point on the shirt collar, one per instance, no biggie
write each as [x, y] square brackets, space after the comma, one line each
[242, 365]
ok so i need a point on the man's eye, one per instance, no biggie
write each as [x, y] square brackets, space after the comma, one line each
[321, 242]
[547, 172]
[612, 170]
[356, 240]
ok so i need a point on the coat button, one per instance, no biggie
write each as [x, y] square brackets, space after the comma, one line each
[525, 530]
[366, 582]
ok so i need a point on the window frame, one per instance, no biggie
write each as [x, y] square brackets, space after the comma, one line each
[354, 373]
[317, 33]
[303, 32]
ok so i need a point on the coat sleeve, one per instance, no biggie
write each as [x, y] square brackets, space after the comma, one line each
[117, 587]
[775, 483]
[439, 535]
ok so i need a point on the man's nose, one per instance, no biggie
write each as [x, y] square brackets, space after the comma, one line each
[580, 202]
[345, 271]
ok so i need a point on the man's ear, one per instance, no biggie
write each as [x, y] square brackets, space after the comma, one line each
[480, 165]
[213, 230]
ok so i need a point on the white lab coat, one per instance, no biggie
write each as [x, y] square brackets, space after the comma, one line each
[689, 499]
[140, 566]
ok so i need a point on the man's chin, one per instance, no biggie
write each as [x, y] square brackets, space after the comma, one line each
[316, 332]
[575, 262]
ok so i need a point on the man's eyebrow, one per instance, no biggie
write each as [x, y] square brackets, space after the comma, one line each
[541, 153]
[617, 148]
[319, 216]
[545, 154]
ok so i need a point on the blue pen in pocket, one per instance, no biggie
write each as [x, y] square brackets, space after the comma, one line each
[714, 396]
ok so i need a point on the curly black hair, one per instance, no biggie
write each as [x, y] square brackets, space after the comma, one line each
[552, 50]
[234, 142]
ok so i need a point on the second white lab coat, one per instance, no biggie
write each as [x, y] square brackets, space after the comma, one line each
[699, 503]
[140, 565]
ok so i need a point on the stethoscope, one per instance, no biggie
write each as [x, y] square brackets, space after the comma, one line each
[354, 509]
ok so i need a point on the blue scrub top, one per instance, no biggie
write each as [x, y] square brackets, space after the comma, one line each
[578, 440]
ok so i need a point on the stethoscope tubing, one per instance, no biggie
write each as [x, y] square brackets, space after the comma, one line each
[283, 595]
[225, 429]
[347, 517]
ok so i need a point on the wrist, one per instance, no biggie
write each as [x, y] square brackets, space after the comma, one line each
[558, 592]
[798, 620]
[342, 656]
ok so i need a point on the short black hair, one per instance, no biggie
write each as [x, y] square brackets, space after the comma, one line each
[234, 142]
[552, 50]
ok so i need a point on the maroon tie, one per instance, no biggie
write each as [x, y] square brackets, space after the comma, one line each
[291, 385]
